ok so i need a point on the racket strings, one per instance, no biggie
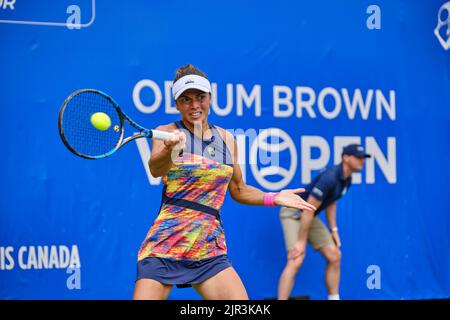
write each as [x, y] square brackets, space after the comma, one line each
[78, 130]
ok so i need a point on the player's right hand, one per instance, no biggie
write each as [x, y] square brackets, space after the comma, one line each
[178, 142]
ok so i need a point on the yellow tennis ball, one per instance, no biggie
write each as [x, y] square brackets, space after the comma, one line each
[101, 121]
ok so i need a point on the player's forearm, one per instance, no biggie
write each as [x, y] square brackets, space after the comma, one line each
[247, 195]
[160, 163]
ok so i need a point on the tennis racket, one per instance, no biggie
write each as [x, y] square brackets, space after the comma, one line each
[83, 139]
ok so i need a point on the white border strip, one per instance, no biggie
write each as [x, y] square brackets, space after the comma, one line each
[55, 24]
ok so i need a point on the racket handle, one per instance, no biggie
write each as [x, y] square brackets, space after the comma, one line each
[162, 135]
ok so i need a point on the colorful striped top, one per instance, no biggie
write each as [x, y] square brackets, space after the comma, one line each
[188, 226]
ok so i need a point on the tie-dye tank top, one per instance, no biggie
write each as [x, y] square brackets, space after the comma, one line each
[188, 226]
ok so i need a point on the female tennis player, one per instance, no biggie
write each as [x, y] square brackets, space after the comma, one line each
[186, 246]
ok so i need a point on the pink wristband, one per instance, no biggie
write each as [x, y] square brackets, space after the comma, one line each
[269, 199]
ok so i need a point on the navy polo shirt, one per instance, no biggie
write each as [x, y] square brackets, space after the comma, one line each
[328, 186]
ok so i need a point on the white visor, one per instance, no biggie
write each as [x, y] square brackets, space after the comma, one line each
[191, 81]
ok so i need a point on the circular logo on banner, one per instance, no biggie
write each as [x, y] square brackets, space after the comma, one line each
[269, 158]
[442, 30]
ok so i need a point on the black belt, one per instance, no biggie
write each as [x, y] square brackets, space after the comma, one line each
[193, 206]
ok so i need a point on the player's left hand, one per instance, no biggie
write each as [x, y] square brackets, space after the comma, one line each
[290, 198]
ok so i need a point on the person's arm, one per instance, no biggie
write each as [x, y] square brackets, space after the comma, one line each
[298, 251]
[306, 219]
[330, 213]
[319, 192]
[246, 194]
[163, 152]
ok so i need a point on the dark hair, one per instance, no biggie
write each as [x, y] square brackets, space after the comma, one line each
[187, 70]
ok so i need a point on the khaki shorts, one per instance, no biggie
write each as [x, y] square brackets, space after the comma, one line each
[318, 236]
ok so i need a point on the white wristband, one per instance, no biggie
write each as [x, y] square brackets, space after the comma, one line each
[334, 229]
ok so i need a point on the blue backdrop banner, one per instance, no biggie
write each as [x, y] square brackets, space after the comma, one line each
[306, 77]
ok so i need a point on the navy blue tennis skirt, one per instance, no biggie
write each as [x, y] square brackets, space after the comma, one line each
[182, 273]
